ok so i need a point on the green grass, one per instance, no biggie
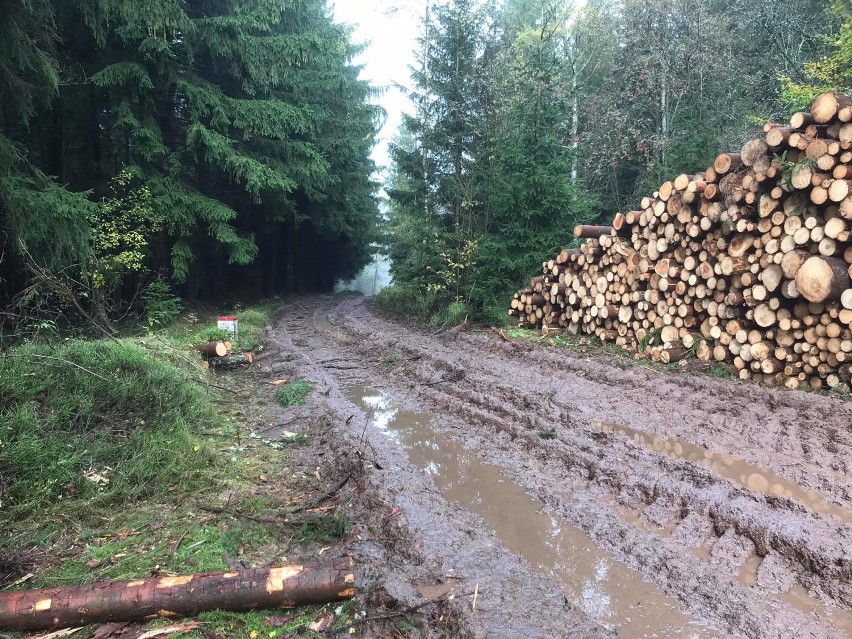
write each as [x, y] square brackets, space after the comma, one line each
[123, 552]
[295, 393]
[325, 529]
[108, 450]
[269, 624]
[252, 321]
[296, 440]
[721, 371]
[105, 422]
[390, 359]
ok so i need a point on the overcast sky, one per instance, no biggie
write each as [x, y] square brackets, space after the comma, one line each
[390, 29]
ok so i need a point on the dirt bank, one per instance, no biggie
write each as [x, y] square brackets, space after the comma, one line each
[576, 495]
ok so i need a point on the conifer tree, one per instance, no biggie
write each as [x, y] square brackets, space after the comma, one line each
[244, 120]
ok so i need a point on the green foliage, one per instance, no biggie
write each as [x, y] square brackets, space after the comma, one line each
[41, 217]
[201, 546]
[452, 314]
[106, 421]
[222, 134]
[295, 393]
[325, 528]
[122, 227]
[482, 188]
[407, 300]
[161, 306]
[211, 334]
[831, 72]
[390, 360]
[29, 73]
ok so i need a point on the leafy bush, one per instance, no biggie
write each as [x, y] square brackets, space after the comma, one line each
[161, 305]
[405, 300]
[451, 315]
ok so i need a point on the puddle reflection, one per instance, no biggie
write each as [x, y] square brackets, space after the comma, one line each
[590, 577]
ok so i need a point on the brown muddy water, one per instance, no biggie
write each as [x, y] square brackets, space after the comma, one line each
[755, 478]
[592, 579]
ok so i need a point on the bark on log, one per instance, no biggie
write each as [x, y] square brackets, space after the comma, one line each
[278, 587]
[592, 232]
[801, 119]
[213, 349]
[237, 359]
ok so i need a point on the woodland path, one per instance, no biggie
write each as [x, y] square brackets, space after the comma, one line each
[656, 504]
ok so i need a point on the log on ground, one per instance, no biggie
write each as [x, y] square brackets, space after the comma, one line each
[212, 349]
[277, 587]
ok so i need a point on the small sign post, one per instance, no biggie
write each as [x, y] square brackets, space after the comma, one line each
[228, 323]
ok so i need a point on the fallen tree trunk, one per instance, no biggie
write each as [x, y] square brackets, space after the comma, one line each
[277, 587]
[588, 231]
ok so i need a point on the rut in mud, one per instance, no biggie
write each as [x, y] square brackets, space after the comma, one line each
[664, 506]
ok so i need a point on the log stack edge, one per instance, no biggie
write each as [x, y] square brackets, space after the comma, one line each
[748, 263]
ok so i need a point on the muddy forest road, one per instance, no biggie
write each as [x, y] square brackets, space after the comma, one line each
[581, 495]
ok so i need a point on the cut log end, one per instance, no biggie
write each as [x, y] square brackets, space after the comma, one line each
[822, 279]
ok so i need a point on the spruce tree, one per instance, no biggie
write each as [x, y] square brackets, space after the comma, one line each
[437, 194]
[38, 216]
[244, 120]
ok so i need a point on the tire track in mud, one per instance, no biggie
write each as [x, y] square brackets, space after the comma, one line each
[759, 564]
[521, 603]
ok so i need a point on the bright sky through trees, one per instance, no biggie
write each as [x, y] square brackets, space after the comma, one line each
[390, 28]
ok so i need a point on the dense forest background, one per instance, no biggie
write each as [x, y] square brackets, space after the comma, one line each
[214, 148]
[534, 115]
[221, 148]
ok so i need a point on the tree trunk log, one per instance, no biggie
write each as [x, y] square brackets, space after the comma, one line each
[587, 231]
[822, 279]
[826, 105]
[213, 349]
[279, 587]
[237, 359]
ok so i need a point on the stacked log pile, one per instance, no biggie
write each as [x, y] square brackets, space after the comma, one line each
[748, 263]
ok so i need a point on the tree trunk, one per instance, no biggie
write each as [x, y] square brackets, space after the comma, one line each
[583, 230]
[213, 349]
[238, 359]
[822, 279]
[278, 587]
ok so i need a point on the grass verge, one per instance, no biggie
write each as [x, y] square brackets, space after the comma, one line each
[112, 450]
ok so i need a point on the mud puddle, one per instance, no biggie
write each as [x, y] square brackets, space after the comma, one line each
[754, 478]
[799, 598]
[592, 579]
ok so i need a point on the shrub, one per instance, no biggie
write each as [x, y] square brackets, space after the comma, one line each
[161, 305]
[407, 301]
